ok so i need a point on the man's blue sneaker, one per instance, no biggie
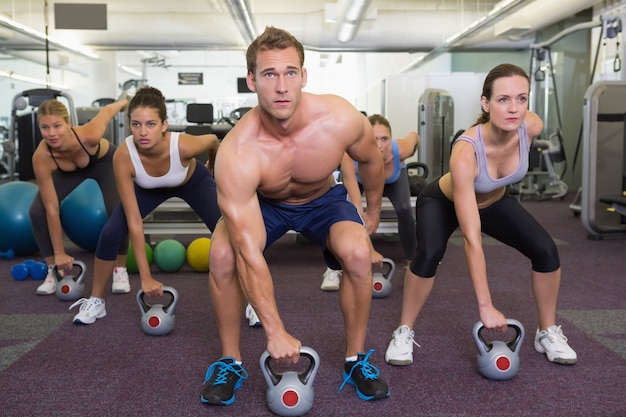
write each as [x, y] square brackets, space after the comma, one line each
[222, 379]
[365, 378]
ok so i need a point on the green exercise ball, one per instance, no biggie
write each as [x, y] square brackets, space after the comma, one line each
[131, 261]
[169, 255]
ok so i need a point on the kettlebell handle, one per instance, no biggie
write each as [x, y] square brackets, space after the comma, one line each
[304, 377]
[80, 264]
[391, 268]
[169, 306]
[418, 166]
[514, 344]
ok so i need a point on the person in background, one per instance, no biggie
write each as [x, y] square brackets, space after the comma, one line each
[290, 144]
[67, 156]
[473, 197]
[151, 166]
[396, 189]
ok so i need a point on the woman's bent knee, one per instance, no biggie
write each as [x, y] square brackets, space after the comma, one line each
[424, 264]
[546, 258]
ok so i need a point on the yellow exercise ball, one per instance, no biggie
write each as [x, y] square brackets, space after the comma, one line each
[198, 254]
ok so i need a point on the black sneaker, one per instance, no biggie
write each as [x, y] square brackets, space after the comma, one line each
[365, 377]
[222, 379]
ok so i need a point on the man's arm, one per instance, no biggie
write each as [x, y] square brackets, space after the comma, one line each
[239, 204]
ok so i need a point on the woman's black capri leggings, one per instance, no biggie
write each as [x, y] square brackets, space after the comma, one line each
[505, 220]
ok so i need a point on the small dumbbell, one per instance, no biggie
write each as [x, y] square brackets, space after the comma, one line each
[20, 271]
[29, 268]
[7, 254]
[38, 270]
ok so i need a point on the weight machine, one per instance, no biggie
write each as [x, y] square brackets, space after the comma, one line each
[542, 181]
[603, 194]
[436, 130]
[24, 133]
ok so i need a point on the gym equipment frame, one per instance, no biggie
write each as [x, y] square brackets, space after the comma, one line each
[604, 164]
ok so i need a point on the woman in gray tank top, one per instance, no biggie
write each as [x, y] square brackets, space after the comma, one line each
[473, 197]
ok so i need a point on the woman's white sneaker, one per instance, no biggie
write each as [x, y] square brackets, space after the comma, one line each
[331, 281]
[121, 284]
[49, 285]
[400, 350]
[253, 319]
[91, 308]
[553, 343]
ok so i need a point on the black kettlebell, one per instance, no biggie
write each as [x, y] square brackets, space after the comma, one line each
[417, 172]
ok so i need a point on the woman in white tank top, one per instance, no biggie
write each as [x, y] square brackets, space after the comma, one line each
[150, 167]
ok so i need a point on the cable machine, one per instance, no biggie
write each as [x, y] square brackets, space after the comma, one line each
[542, 180]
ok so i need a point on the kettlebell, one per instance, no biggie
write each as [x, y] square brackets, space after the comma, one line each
[290, 393]
[158, 319]
[417, 180]
[382, 282]
[70, 287]
[499, 360]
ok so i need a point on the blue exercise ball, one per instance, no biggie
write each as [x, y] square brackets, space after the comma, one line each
[83, 215]
[16, 231]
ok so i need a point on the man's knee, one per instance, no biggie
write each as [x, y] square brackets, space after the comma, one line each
[356, 259]
[221, 257]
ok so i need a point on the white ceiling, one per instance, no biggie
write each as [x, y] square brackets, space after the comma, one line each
[389, 25]
[154, 27]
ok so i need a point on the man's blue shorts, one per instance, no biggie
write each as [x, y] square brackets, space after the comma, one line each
[312, 220]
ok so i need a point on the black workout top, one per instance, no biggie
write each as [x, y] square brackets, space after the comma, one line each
[92, 158]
